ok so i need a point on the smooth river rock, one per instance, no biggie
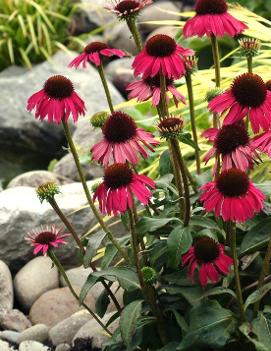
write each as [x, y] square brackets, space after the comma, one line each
[14, 320]
[6, 286]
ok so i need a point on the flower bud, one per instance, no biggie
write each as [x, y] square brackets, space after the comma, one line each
[47, 191]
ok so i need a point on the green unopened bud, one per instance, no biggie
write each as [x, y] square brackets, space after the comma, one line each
[98, 119]
[211, 94]
[249, 47]
[149, 274]
[47, 191]
[170, 127]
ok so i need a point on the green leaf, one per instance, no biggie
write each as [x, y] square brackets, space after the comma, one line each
[192, 294]
[210, 326]
[257, 295]
[186, 138]
[170, 347]
[102, 303]
[94, 243]
[178, 242]
[218, 291]
[204, 222]
[147, 224]
[257, 237]
[260, 329]
[126, 277]
[128, 320]
[165, 166]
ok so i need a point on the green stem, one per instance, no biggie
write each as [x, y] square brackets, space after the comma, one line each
[232, 235]
[69, 285]
[193, 119]
[88, 195]
[264, 273]
[216, 58]
[71, 229]
[105, 85]
[175, 145]
[163, 88]
[131, 22]
[249, 64]
[147, 289]
[178, 180]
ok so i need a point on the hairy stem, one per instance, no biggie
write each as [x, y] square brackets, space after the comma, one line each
[105, 85]
[216, 58]
[88, 195]
[193, 119]
[249, 64]
[131, 22]
[232, 235]
[65, 277]
[263, 274]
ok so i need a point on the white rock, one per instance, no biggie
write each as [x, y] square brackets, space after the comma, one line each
[63, 347]
[35, 179]
[38, 332]
[6, 287]
[14, 320]
[32, 346]
[64, 331]
[10, 335]
[21, 212]
[94, 331]
[4, 346]
[35, 278]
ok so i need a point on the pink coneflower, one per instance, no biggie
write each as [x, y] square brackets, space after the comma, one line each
[262, 143]
[232, 143]
[248, 96]
[161, 52]
[120, 183]
[92, 53]
[147, 88]
[45, 238]
[232, 196]
[209, 258]
[127, 8]
[122, 141]
[212, 18]
[57, 100]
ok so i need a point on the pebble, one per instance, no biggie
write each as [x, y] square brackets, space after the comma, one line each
[38, 332]
[6, 287]
[4, 346]
[32, 346]
[63, 347]
[10, 335]
[14, 320]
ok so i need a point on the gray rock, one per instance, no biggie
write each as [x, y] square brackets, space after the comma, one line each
[61, 304]
[4, 346]
[157, 12]
[120, 37]
[6, 287]
[31, 345]
[168, 30]
[36, 178]
[63, 347]
[120, 73]
[77, 276]
[38, 332]
[64, 331]
[35, 278]
[13, 71]
[14, 320]
[18, 128]
[22, 212]
[10, 335]
[94, 331]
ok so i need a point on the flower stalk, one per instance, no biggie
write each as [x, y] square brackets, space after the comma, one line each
[189, 85]
[106, 88]
[216, 57]
[132, 25]
[232, 236]
[88, 195]
[62, 272]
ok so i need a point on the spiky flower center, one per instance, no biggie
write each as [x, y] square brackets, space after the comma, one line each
[230, 137]
[249, 90]
[212, 7]
[160, 45]
[45, 237]
[127, 7]
[96, 46]
[155, 81]
[206, 249]
[58, 87]
[117, 175]
[233, 183]
[119, 127]
[171, 124]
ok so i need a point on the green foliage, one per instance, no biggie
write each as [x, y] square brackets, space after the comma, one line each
[31, 31]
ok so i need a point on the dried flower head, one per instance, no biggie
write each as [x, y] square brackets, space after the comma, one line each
[170, 127]
[249, 47]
